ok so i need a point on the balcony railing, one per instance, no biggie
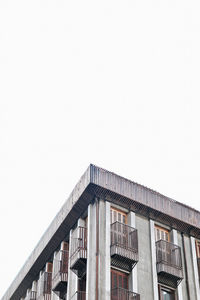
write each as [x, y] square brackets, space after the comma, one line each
[124, 246]
[123, 294]
[169, 262]
[31, 296]
[60, 272]
[78, 257]
[79, 296]
[45, 286]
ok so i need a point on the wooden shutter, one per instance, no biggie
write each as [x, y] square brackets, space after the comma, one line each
[65, 246]
[161, 234]
[117, 216]
[49, 267]
[119, 279]
[198, 248]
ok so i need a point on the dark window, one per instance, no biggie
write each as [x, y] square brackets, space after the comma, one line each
[119, 279]
[166, 294]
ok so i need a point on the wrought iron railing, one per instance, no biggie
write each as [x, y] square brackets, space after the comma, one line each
[79, 296]
[124, 236]
[60, 266]
[169, 254]
[79, 243]
[123, 294]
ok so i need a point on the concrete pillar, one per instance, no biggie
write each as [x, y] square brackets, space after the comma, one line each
[153, 259]
[72, 285]
[180, 286]
[34, 286]
[39, 284]
[104, 251]
[133, 284]
[91, 253]
[195, 268]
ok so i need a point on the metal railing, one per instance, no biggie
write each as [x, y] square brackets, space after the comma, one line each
[123, 294]
[60, 266]
[79, 242]
[31, 296]
[124, 236]
[79, 296]
[169, 254]
[45, 286]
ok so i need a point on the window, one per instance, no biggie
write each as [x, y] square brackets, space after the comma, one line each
[198, 248]
[117, 216]
[119, 279]
[161, 234]
[82, 284]
[119, 285]
[166, 293]
[198, 256]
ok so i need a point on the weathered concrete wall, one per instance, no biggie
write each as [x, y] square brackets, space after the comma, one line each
[91, 253]
[195, 268]
[104, 251]
[183, 283]
[133, 278]
[174, 239]
[190, 269]
[144, 266]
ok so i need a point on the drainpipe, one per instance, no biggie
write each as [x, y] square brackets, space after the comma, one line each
[185, 265]
[97, 246]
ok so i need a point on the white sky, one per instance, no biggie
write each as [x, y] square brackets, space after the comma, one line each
[114, 83]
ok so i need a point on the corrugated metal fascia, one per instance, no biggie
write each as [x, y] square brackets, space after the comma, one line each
[145, 196]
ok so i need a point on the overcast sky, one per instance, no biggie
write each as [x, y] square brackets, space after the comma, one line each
[114, 83]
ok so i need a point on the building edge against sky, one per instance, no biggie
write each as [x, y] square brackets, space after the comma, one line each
[114, 239]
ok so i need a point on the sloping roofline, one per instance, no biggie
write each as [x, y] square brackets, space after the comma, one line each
[95, 181]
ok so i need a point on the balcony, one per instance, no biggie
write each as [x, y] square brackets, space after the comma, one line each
[45, 284]
[78, 259]
[123, 294]
[60, 273]
[124, 246]
[79, 296]
[169, 263]
[30, 296]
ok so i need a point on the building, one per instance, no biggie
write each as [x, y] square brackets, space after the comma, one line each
[114, 239]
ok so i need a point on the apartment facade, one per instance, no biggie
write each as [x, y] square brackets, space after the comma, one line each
[114, 240]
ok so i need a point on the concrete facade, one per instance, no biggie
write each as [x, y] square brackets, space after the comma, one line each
[147, 230]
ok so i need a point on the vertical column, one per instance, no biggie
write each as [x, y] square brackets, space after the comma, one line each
[54, 296]
[34, 286]
[133, 284]
[153, 260]
[195, 268]
[91, 253]
[180, 286]
[104, 251]
[72, 285]
[39, 285]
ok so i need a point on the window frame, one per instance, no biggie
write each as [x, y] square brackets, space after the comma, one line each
[118, 212]
[167, 289]
[162, 230]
